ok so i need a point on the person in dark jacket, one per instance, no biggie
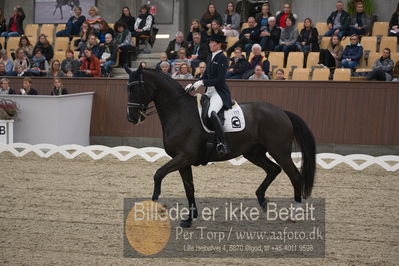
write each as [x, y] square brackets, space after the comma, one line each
[197, 51]
[72, 27]
[259, 59]
[70, 64]
[27, 87]
[104, 29]
[360, 21]
[338, 22]
[269, 36]
[352, 53]
[210, 15]
[281, 16]
[39, 65]
[108, 58]
[58, 88]
[196, 27]
[247, 38]
[308, 38]
[44, 45]
[3, 23]
[175, 45]
[394, 24]
[144, 22]
[127, 18]
[262, 18]
[94, 44]
[382, 67]
[238, 65]
[123, 39]
[15, 25]
[288, 38]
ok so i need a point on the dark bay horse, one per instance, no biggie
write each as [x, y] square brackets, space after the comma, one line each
[268, 129]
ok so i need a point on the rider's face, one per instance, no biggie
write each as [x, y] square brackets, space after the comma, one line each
[214, 46]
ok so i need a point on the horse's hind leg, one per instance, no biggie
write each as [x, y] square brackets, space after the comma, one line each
[187, 177]
[271, 169]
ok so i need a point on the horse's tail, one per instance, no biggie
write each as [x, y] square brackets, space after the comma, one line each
[307, 143]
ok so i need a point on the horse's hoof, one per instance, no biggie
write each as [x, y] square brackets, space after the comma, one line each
[185, 224]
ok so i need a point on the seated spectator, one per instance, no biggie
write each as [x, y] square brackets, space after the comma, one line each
[196, 27]
[202, 68]
[308, 39]
[280, 74]
[94, 18]
[360, 22]
[331, 57]
[70, 64]
[94, 44]
[269, 35]
[39, 66]
[3, 25]
[5, 88]
[183, 72]
[84, 36]
[231, 21]
[123, 40]
[288, 37]
[15, 25]
[73, 25]
[55, 71]
[281, 16]
[382, 67]
[127, 18]
[45, 47]
[165, 68]
[396, 72]
[210, 15]
[394, 24]
[338, 21]
[108, 58]
[180, 60]
[3, 70]
[6, 61]
[20, 72]
[27, 87]
[352, 53]
[175, 45]
[198, 51]
[262, 19]
[58, 88]
[163, 58]
[259, 59]
[247, 38]
[215, 29]
[90, 66]
[25, 44]
[21, 60]
[104, 30]
[238, 66]
[259, 74]
[143, 26]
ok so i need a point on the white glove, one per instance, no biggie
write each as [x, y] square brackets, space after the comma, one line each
[188, 87]
[198, 84]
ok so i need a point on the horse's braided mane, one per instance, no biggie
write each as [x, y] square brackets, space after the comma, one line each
[174, 82]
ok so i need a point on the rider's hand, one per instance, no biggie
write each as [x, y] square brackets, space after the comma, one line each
[198, 84]
[189, 87]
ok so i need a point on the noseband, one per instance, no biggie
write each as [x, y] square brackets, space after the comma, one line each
[142, 107]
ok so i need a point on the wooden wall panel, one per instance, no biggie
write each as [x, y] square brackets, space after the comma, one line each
[337, 112]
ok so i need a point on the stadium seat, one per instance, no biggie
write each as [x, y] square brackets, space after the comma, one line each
[395, 57]
[12, 45]
[371, 59]
[389, 42]
[31, 30]
[111, 25]
[252, 55]
[231, 41]
[134, 40]
[3, 42]
[301, 74]
[295, 59]
[48, 30]
[76, 54]
[313, 59]
[33, 40]
[342, 74]
[324, 42]
[369, 43]
[380, 28]
[73, 47]
[276, 59]
[61, 44]
[60, 27]
[345, 41]
[321, 27]
[59, 55]
[300, 26]
[321, 74]
[244, 26]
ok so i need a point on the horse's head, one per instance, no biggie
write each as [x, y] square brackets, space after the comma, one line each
[140, 94]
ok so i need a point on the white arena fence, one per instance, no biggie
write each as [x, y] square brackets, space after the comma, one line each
[151, 154]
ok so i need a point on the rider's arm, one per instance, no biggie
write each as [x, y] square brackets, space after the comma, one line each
[220, 78]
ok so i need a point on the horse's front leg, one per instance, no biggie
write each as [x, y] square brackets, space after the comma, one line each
[175, 164]
[187, 177]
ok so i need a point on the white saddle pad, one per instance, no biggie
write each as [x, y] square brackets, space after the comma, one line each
[234, 120]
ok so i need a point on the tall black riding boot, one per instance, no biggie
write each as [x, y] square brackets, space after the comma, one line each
[221, 147]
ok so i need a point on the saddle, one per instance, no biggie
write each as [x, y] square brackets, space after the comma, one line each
[205, 104]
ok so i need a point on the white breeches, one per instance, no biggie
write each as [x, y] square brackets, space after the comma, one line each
[216, 102]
